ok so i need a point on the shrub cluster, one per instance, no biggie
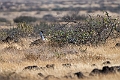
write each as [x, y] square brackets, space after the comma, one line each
[25, 19]
[22, 30]
[3, 20]
[94, 30]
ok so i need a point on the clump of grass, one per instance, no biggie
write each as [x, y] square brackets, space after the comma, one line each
[59, 55]
[3, 34]
[22, 30]
[31, 57]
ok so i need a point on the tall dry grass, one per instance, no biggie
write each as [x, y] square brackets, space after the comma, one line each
[13, 60]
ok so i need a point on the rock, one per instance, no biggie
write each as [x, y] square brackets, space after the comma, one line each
[66, 65]
[117, 68]
[93, 65]
[51, 77]
[31, 67]
[106, 62]
[8, 39]
[40, 74]
[95, 72]
[50, 66]
[104, 70]
[79, 75]
[117, 45]
[43, 68]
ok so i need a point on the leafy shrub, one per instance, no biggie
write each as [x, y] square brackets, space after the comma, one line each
[49, 17]
[25, 19]
[3, 20]
[94, 30]
[64, 37]
[22, 30]
[100, 28]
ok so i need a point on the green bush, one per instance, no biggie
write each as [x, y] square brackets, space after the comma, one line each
[25, 19]
[22, 30]
[3, 20]
[100, 28]
[94, 30]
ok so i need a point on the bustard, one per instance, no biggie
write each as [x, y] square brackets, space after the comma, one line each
[39, 41]
[41, 35]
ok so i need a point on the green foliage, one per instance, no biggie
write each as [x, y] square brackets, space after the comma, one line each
[94, 30]
[24, 29]
[49, 18]
[25, 19]
[3, 34]
[3, 20]
[63, 37]
[100, 28]
[91, 30]
[60, 37]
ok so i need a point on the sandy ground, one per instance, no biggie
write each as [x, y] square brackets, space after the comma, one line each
[16, 56]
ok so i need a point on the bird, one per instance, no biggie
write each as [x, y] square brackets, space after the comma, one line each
[39, 41]
[41, 35]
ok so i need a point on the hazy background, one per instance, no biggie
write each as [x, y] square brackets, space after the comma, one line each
[11, 9]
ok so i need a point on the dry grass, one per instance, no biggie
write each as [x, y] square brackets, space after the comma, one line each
[14, 57]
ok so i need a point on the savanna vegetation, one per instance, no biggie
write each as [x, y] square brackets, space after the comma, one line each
[75, 45]
[78, 30]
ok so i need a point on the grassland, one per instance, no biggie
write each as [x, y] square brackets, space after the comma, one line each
[15, 57]
[78, 42]
[66, 59]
